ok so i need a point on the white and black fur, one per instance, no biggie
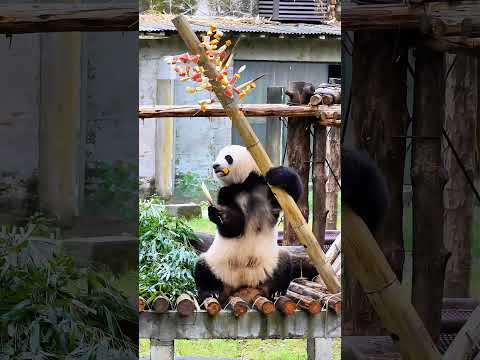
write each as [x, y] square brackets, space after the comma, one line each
[244, 252]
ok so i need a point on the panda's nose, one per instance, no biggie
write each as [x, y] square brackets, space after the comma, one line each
[216, 166]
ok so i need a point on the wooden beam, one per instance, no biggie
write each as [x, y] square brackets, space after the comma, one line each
[253, 144]
[428, 179]
[164, 143]
[329, 115]
[298, 154]
[225, 325]
[437, 18]
[459, 123]
[38, 18]
[383, 289]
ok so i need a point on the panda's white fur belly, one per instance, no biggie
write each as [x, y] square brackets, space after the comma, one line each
[247, 260]
[244, 261]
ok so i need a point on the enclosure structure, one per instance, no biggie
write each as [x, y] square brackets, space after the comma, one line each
[162, 329]
[283, 52]
[429, 47]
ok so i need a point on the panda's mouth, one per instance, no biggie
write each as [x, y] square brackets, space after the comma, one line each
[222, 172]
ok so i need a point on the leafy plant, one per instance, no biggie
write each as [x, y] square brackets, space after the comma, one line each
[189, 185]
[167, 257]
[50, 309]
[112, 189]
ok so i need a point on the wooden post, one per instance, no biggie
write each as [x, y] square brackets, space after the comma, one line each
[164, 138]
[274, 125]
[378, 126]
[319, 179]
[460, 120]
[383, 290]
[428, 180]
[298, 152]
[332, 188]
[252, 142]
[60, 140]
[162, 349]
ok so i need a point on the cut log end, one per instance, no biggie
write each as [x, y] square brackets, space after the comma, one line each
[160, 304]
[285, 305]
[264, 305]
[238, 306]
[185, 305]
[212, 306]
[141, 304]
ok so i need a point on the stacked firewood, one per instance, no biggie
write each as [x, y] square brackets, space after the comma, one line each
[313, 295]
[326, 94]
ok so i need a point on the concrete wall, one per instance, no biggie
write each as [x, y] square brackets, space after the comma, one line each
[19, 119]
[31, 90]
[198, 140]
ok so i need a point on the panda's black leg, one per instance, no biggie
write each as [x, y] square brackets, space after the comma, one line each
[208, 285]
[287, 179]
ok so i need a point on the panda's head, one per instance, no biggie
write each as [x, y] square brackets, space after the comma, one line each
[233, 165]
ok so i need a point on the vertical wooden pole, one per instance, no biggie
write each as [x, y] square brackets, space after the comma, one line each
[274, 126]
[319, 179]
[60, 146]
[428, 180]
[164, 139]
[379, 120]
[334, 175]
[460, 120]
[298, 151]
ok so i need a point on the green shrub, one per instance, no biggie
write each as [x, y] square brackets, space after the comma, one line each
[167, 258]
[188, 185]
[50, 309]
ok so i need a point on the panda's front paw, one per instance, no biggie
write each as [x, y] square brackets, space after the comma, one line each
[214, 214]
[277, 176]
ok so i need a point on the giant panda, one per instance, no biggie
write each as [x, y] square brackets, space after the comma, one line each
[244, 252]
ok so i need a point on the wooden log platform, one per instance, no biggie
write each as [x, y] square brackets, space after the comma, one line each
[37, 18]
[330, 115]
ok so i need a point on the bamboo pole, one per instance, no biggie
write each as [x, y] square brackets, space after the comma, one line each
[239, 120]
[331, 113]
[383, 290]
[36, 18]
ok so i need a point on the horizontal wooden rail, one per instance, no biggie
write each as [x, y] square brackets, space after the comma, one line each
[329, 115]
[38, 17]
[224, 325]
[439, 18]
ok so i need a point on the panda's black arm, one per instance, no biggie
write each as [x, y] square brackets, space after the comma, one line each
[230, 221]
[208, 285]
[287, 179]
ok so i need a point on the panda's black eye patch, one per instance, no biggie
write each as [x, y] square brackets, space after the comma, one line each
[229, 159]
